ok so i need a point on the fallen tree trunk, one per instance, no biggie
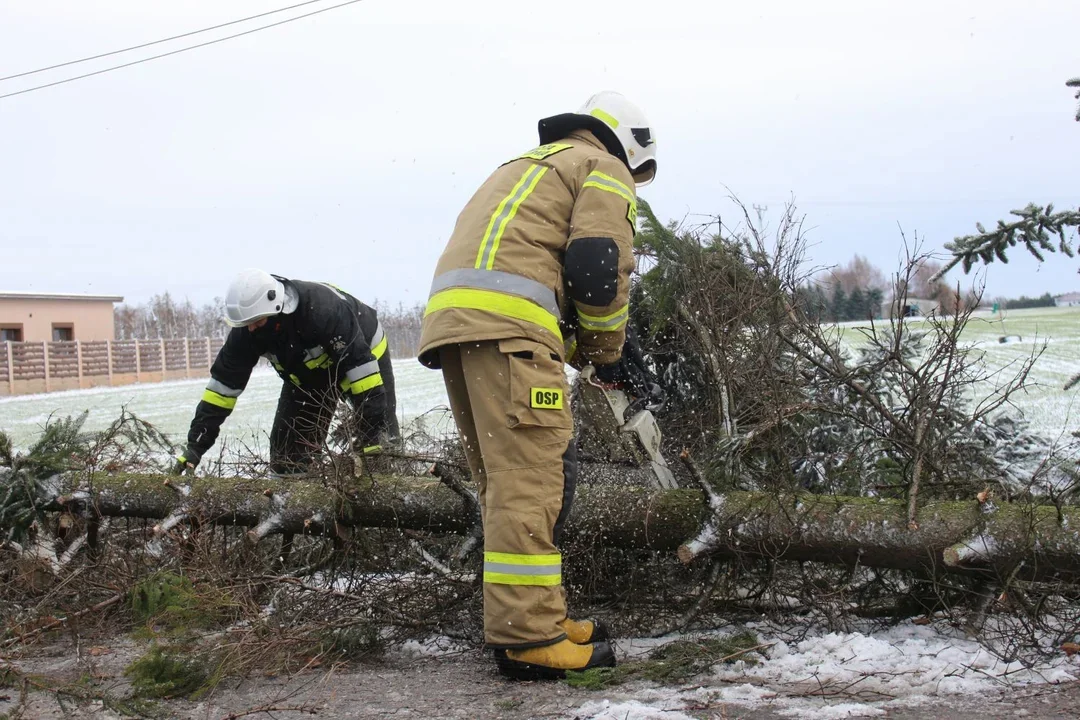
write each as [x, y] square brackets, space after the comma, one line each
[1021, 541]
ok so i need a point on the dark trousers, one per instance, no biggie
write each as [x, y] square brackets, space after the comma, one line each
[303, 418]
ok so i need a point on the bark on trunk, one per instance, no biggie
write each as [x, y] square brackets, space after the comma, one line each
[949, 536]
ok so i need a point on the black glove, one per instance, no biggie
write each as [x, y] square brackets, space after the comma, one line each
[613, 373]
[188, 459]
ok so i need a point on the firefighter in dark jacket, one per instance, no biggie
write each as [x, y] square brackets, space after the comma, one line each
[325, 344]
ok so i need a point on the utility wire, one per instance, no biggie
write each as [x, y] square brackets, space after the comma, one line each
[155, 42]
[176, 52]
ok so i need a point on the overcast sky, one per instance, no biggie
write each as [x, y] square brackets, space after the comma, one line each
[341, 147]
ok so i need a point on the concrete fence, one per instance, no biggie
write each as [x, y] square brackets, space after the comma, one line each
[35, 367]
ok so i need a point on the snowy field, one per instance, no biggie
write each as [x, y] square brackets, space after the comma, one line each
[928, 670]
[170, 406]
[1050, 411]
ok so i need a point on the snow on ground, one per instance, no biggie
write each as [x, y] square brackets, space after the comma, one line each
[1051, 411]
[861, 675]
[170, 405]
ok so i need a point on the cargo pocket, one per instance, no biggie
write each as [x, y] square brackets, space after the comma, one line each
[538, 394]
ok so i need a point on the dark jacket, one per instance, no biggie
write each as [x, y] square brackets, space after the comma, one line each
[329, 340]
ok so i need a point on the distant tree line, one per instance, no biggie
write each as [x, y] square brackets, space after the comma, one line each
[1045, 300]
[840, 306]
[859, 291]
[164, 317]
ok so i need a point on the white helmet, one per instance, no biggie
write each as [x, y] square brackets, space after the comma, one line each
[618, 123]
[254, 294]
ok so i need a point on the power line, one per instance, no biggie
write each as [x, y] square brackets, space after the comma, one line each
[176, 52]
[155, 42]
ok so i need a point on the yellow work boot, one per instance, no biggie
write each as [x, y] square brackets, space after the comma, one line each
[551, 662]
[584, 632]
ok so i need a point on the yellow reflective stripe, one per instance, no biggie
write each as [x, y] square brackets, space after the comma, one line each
[608, 119]
[517, 559]
[379, 350]
[209, 396]
[363, 384]
[603, 181]
[605, 323]
[498, 578]
[494, 302]
[322, 361]
[518, 569]
[504, 213]
[372, 449]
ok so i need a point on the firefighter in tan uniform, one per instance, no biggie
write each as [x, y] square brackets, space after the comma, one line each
[538, 268]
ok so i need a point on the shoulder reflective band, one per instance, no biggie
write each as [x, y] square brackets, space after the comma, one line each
[499, 281]
[544, 151]
[219, 394]
[603, 181]
[545, 398]
[497, 303]
[378, 342]
[337, 291]
[604, 323]
[504, 213]
[362, 378]
[512, 569]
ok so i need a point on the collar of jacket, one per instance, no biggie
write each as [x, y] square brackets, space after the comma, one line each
[587, 137]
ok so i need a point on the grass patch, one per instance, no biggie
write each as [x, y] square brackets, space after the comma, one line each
[672, 663]
[171, 604]
[169, 671]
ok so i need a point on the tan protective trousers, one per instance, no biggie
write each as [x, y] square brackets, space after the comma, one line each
[512, 408]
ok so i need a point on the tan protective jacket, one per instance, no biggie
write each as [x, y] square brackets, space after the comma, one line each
[543, 250]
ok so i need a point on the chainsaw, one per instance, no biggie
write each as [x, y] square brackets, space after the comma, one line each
[617, 421]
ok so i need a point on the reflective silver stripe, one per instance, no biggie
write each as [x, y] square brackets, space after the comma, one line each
[611, 184]
[523, 569]
[508, 207]
[222, 389]
[313, 353]
[498, 281]
[378, 336]
[362, 371]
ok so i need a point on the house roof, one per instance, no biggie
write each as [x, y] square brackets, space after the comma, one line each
[59, 296]
[1068, 297]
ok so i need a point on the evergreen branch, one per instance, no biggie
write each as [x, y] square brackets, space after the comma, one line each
[1037, 229]
[1075, 83]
